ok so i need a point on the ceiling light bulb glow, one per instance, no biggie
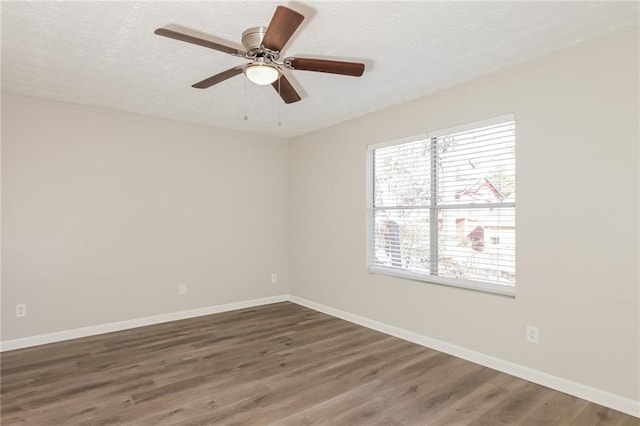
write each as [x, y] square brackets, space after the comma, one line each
[261, 74]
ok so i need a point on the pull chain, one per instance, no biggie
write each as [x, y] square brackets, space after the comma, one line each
[246, 117]
[279, 103]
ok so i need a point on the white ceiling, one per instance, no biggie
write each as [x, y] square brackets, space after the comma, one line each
[105, 53]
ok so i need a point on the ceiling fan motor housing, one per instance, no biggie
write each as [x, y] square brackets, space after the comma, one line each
[252, 39]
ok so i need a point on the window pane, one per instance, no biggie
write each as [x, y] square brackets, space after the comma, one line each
[402, 174]
[477, 166]
[401, 239]
[477, 244]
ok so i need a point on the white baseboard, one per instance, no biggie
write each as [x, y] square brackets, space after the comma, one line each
[588, 393]
[617, 402]
[43, 339]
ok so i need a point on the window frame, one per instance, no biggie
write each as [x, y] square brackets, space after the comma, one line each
[494, 288]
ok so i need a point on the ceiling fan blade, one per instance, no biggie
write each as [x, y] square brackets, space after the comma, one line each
[286, 90]
[177, 35]
[283, 24]
[354, 69]
[208, 82]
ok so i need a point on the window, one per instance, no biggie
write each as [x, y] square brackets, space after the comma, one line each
[441, 207]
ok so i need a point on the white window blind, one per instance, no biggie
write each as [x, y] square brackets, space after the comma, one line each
[442, 207]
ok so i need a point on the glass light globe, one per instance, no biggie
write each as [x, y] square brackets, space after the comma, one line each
[261, 74]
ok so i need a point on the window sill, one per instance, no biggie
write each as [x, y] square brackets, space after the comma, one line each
[497, 289]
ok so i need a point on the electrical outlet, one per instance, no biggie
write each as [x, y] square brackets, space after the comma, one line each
[182, 289]
[21, 310]
[274, 278]
[532, 334]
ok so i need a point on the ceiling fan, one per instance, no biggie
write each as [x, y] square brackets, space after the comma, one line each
[263, 47]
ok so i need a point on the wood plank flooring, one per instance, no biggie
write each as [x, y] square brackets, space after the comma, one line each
[278, 364]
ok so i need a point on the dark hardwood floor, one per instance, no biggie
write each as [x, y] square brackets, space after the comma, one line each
[276, 364]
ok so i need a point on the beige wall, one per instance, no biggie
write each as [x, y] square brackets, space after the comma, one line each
[577, 217]
[105, 213]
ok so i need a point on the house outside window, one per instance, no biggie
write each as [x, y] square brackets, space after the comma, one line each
[441, 207]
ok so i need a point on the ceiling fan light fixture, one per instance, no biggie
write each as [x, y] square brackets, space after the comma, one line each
[261, 74]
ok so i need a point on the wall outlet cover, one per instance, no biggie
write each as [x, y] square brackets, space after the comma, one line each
[21, 310]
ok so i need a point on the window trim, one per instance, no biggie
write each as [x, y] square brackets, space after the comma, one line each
[481, 286]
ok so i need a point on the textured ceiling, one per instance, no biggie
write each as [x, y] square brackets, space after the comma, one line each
[105, 53]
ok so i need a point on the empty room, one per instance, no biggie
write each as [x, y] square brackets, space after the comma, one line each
[322, 212]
